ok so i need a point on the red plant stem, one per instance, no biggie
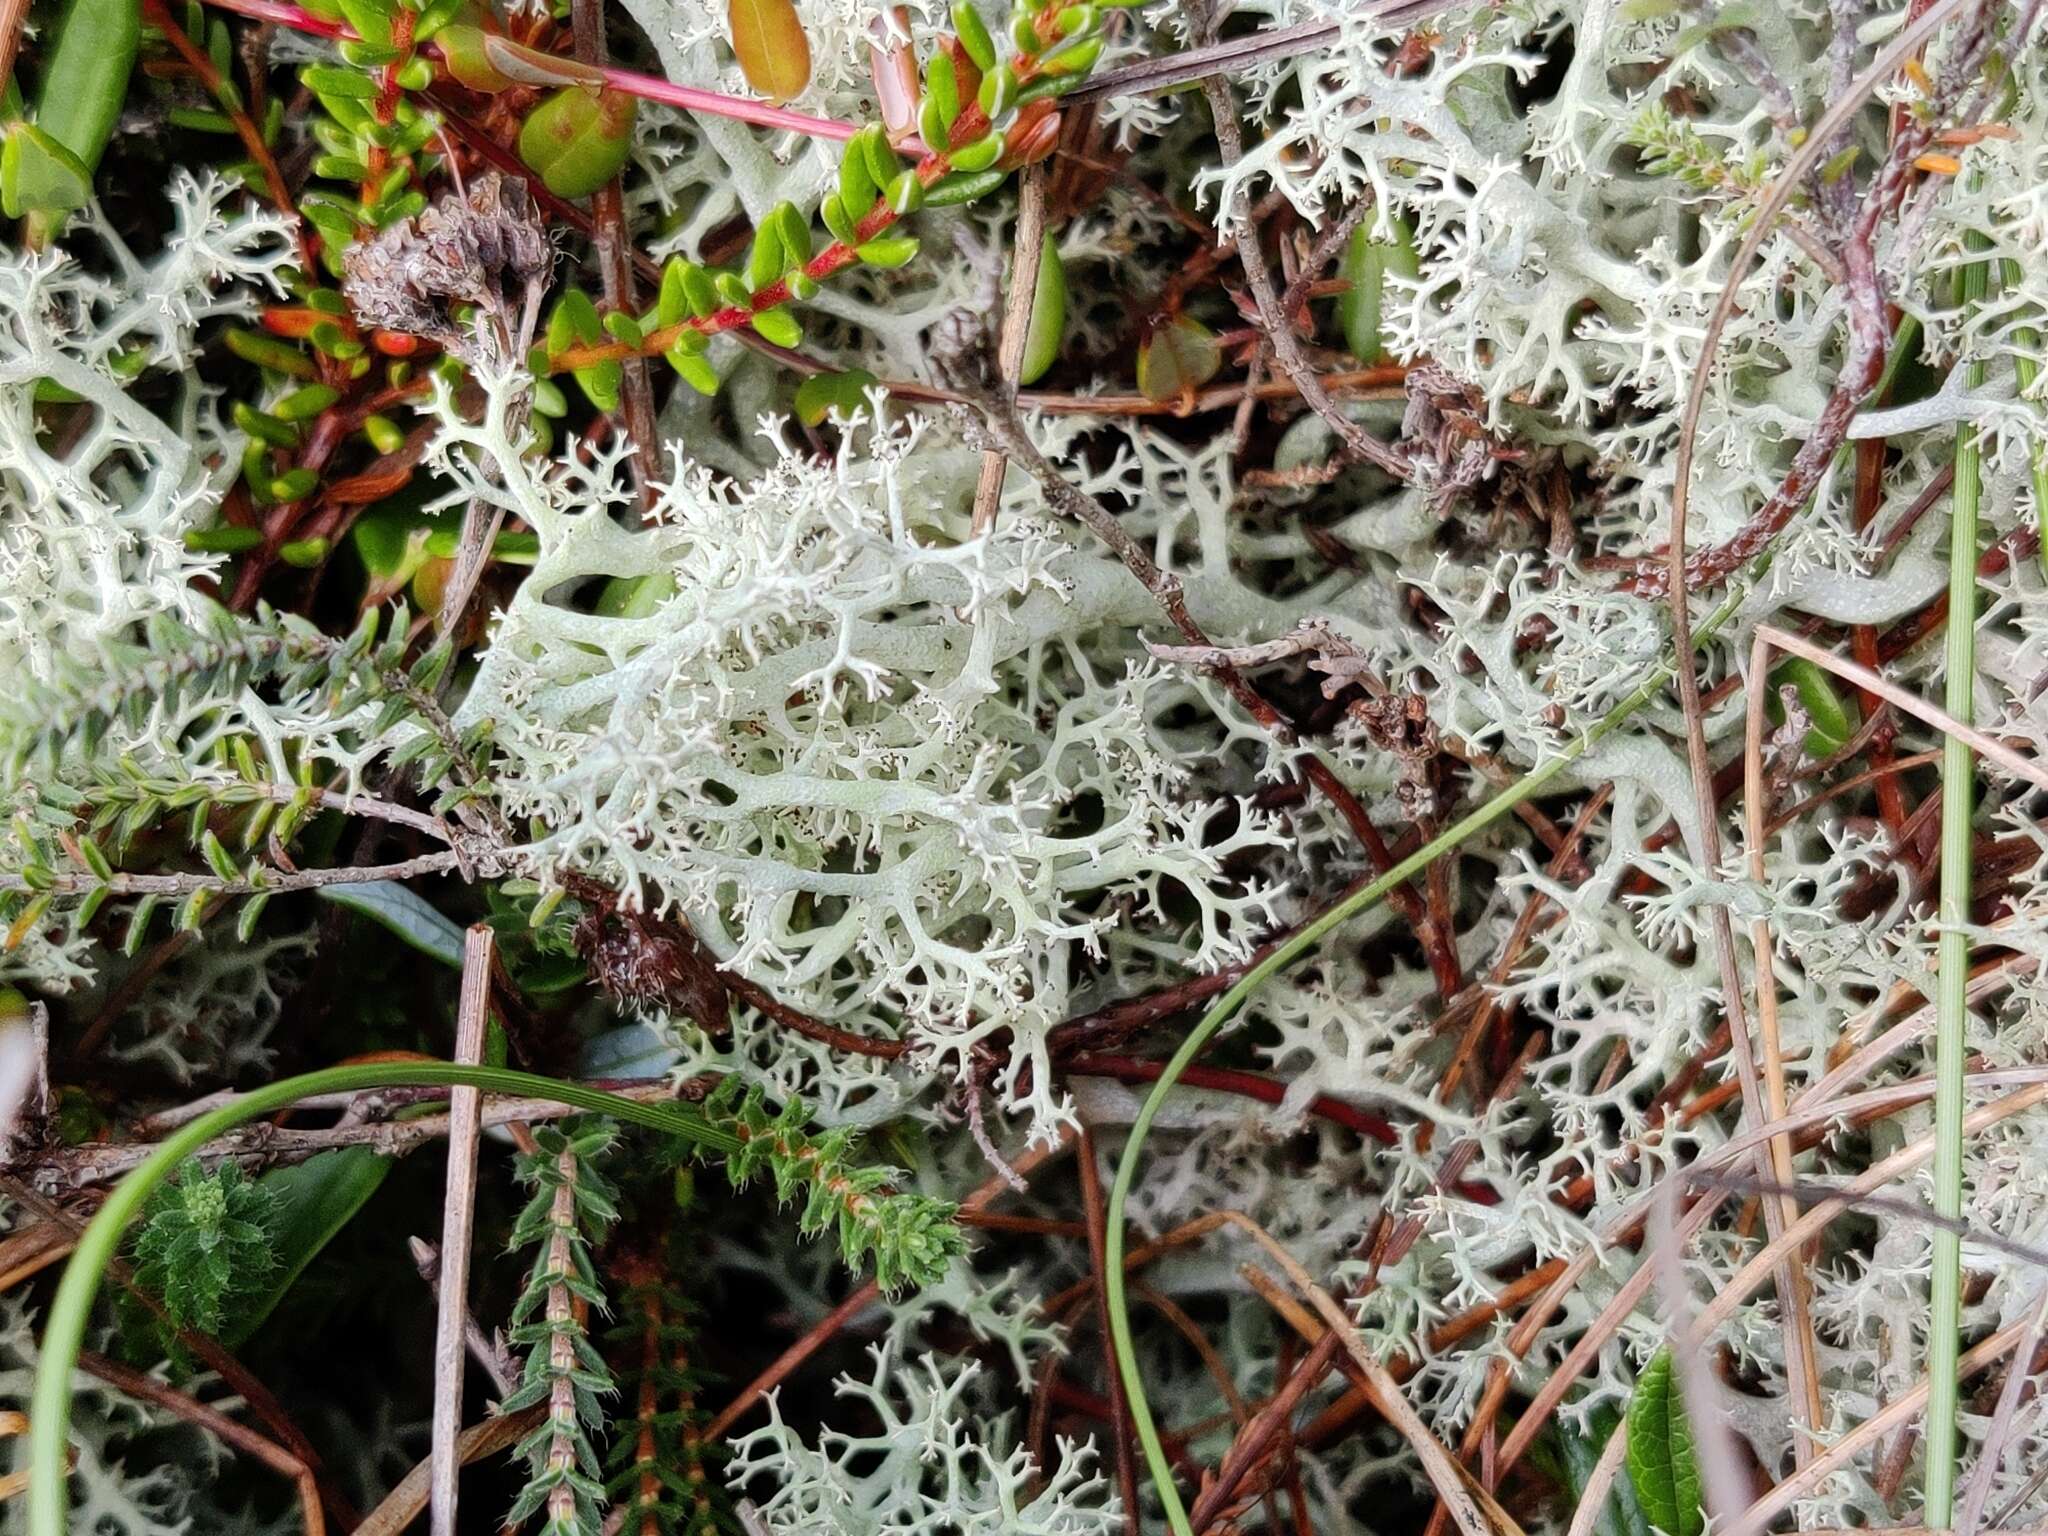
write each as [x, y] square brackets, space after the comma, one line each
[1137, 1069]
[195, 57]
[647, 87]
[835, 258]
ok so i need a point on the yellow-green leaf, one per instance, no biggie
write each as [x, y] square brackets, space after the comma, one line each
[1835, 721]
[463, 50]
[823, 393]
[578, 139]
[38, 175]
[1178, 358]
[1048, 315]
[768, 40]
[1367, 261]
[575, 322]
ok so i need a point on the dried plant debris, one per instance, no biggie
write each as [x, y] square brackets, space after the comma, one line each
[1187, 766]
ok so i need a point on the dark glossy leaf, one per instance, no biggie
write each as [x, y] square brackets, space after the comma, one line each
[1580, 1452]
[314, 1201]
[405, 912]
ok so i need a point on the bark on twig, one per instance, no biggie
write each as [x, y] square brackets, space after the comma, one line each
[613, 243]
[1025, 257]
[1288, 355]
[458, 1208]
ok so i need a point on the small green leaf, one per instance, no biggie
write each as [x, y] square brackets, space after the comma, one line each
[888, 251]
[313, 1201]
[998, 94]
[832, 209]
[794, 231]
[330, 80]
[405, 912]
[1048, 315]
[579, 138]
[1661, 1464]
[981, 155]
[1177, 359]
[779, 326]
[942, 93]
[701, 291]
[732, 289]
[674, 303]
[857, 185]
[391, 545]
[1834, 722]
[694, 369]
[38, 175]
[1072, 59]
[905, 193]
[823, 393]
[963, 187]
[1366, 263]
[462, 50]
[883, 161]
[575, 322]
[765, 258]
[371, 19]
[973, 34]
[623, 328]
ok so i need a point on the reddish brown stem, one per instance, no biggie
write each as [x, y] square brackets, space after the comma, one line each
[1120, 1416]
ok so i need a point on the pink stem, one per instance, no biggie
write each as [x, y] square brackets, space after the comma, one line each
[648, 87]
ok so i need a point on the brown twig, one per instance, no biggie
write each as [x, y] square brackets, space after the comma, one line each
[1150, 77]
[207, 1350]
[1256, 1439]
[1250, 1085]
[1071, 501]
[1275, 322]
[13, 17]
[1027, 249]
[458, 1208]
[260, 1146]
[487, 1350]
[614, 250]
[261, 1448]
[479, 1442]
[832, 1322]
[200, 63]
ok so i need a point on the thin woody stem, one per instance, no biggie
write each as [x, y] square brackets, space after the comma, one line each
[629, 82]
[273, 882]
